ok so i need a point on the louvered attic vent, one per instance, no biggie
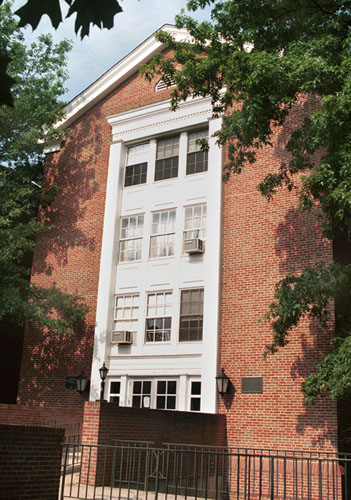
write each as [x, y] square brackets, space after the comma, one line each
[162, 85]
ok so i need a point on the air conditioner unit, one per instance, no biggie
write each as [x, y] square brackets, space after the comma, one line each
[193, 246]
[122, 338]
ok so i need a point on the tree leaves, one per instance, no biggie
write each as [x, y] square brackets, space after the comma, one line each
[257, 59]
[98, 13]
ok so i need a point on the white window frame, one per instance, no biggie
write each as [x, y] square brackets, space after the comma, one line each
[194, 149]
[114, 394]
[137, 154]
[189, 315]
[136, 239]
[132, 319]
[194, 396]
[166, 238]
[150, 400]
[196, 230]
[163, 157]
[167, 307]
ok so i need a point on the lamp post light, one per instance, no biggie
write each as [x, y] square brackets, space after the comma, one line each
[222, 382]
[103, 374]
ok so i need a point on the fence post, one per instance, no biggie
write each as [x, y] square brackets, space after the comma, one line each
[272, 478]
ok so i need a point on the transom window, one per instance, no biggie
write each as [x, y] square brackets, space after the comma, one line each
[162, 239]
[115, 390]
[131, 238]
[126, 313]
[167, 158]
[195, 222]
[191, 315]
[197, 159]
[158, 317]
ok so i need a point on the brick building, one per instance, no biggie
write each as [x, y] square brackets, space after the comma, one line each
[176, 267]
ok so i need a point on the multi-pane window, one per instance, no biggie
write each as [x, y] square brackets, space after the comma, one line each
[162, 239]
[141, 396]
[126, 313]
[115, 389]
[135, 174]
[136, 166]
[191, 314]
[131, 238]
[197, 159]
[195, 222]
[158, 317]
[166, 395]
[167, 158]
[195, 395]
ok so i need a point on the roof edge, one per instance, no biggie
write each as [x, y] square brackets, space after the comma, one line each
[117, 74]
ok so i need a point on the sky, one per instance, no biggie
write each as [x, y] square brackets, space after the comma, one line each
[95, 54]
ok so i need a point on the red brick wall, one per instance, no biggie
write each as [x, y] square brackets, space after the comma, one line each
[30, 459]
[70, 419]
[68, 256]
[261, 243]
[104, 422]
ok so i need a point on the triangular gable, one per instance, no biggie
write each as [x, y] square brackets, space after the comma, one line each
[118, 73]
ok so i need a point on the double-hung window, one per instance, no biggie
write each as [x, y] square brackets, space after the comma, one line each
[136, 166]
[167, 158]
[195, 222]
[197, 159]
[131, 238]
[162, 239]
[191, 315]
[126, 313]
[158, 317]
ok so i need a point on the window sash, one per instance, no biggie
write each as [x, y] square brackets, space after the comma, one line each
[135, 174]
[191, 315]
[126, 314]
[166, 168]
[131, 238]
[158, 322]
[195, 222]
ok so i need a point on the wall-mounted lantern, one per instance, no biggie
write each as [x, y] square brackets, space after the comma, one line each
[81, 383]
[222, 382]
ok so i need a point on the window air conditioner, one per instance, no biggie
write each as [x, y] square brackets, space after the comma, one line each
[193, 246]
[122, 338]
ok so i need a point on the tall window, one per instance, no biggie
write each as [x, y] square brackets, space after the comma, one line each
[115, 389]
[158, 317]
[197, 159]
[136, 167]
[191, 314]
[126, 313]
[141, 397]
[131, 238]
[195, 222]
[167, 158]
[166, 394]
[195, 395]
[162, 239]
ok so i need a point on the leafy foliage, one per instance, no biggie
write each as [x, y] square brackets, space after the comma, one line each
[88, 12]
[39, 75]
[255, 59]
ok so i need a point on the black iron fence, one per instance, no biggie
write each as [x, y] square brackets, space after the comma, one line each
[139, 471]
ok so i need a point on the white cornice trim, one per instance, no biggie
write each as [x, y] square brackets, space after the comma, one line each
[117, 74]
[158, 118]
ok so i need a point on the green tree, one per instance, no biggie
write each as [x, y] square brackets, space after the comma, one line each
[39, 73]
[254, 59]
[88, 12]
